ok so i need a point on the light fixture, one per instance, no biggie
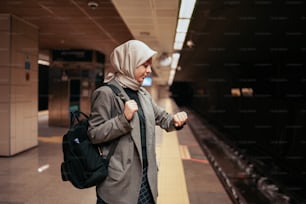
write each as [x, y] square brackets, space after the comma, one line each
[247, 91]
[235, 92]
[171, 76]
[92, 4]
[164, 59]
[182, 25]
[43, 59]
[175, 59]
[190, 43]
[186, 9]
[185, 13]
[178, 45]
[180, 37]
[43, 62]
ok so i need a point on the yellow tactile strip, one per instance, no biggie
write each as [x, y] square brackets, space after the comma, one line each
[171, 177]
[51, 139]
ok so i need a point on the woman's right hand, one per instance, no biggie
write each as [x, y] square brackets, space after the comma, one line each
[130, 107]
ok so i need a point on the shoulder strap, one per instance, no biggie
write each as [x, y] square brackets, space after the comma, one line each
[75, 117]
[117, 91]
[112, 149]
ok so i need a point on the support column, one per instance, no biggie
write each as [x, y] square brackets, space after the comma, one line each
[18, 85]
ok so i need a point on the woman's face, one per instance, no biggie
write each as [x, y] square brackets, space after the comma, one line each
[143, 71]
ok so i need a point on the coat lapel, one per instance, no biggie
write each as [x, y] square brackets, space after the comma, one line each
[135, 135]
[134, 123]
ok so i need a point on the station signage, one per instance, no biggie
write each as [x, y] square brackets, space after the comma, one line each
[72, 55]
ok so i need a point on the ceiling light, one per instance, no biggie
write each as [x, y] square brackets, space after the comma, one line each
[182, 25]
[190, 43]
[92, 4]
[185, 13]
[186, 9]
[164, 59]
[178, 45]
[175, 59]
[171, 77]
[43, 62]
[180, 37]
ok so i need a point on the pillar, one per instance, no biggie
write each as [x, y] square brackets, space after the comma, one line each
[18, 85]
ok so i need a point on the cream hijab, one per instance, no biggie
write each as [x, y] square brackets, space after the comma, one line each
[125, 58]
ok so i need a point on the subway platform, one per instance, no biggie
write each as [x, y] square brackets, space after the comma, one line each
[185, 175]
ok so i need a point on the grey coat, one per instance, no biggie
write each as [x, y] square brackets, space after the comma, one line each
[106, 123]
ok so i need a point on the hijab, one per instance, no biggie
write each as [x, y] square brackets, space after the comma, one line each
[125, 58]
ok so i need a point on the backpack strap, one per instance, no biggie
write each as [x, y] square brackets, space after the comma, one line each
[114, 144]
[117, 91]
[112, 149]
[75, 116]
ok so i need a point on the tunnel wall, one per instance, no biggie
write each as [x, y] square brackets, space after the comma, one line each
[261, 46]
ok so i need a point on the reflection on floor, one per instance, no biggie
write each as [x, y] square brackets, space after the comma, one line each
[33, 176]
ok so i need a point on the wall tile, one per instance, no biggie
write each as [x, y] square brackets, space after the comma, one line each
[4, 120]
[5, 94]
[4, 128]
[5, 22]
[4, 57]
[4, 148]
[4, 75]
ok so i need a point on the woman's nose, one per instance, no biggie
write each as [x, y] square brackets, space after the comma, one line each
[149, 70]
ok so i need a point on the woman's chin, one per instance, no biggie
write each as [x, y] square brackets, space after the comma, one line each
[140, 81]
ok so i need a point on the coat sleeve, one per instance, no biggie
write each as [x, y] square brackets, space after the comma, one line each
[106, 120]
[162, 117]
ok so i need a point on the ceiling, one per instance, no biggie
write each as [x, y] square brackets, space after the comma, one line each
[233, 40]
[73, 24]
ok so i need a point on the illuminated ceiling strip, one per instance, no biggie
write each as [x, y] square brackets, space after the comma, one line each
[186, 9]
[175, 59]
[185, 13]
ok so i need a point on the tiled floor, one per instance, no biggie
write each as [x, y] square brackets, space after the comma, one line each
[33, 177]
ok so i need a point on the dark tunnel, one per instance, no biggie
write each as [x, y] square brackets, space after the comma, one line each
[249, 83]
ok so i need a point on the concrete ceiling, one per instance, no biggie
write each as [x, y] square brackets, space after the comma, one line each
[231, 38]
[73, 24]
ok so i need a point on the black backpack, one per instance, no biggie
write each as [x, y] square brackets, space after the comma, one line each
[84, 165]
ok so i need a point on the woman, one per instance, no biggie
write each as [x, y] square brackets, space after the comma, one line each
[132, 170]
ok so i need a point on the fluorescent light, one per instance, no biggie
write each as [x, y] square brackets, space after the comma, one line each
[175, 59]
[247, 91]
[182, 25]
[186, 8]
[235, 92]
[180, 37]
[43, 62]
[185, 13]
[171, 77]
[165, 61]
[178, 45]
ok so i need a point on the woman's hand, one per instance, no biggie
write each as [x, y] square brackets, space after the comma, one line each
[130, 107]
[180, 119]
